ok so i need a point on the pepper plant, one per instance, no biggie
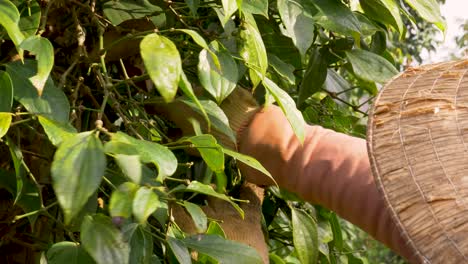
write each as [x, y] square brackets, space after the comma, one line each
[88, 175]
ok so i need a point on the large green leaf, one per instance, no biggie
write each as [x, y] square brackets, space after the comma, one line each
[199, 187]
[248, 160]
[337, 17]
[68, 252]
[53, 103]
[429, 10]
[56, 131]
[370, 66]
[30, 16]
[210, 151]
[141, 243]
[298, 20]
[179, 249]
[225, 251]
[103, 241]
[5, 121]
[286, 104]
[44, 52]
[163, 63]
[258, 7]
[305, 236]
[146, 201]
[187, 89]
[229, 7]
[219, 80]
[285, 70]
[149, 152]
[118, 11]
[6, 90]
[77, 170]
[314, 76]
[120, 204]
[385, 11]
[198, 216]
[254, 53]
[9, 19]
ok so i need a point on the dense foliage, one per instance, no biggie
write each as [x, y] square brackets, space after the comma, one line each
[88, 175]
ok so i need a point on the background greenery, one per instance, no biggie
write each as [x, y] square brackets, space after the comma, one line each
[87, 174]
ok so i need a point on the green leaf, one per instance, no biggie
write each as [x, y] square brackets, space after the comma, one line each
[199, 217]
[179, 250]
[141, 243]
[218, 118]
[254, 53]
[429, 10]
[53, 103]
[163, 63]
[249, 161]
[120, 204]
[17, 157]
[297, 18]
[314, 76]
[5, 121]
[336, 229]
[6, 90]
[385, 11]
[103, 241]
[305, 236]
[30, 17]
[68, 252]
[258, 7]
[9, 19]
[44, 52]
[218, 80]
[56, 131]
[187, 89]
[149, 152]
[193, 6]
[215, 229]
[118, 11]
[286, 104]
[210, 151]
[370, 66]
[77, 170]
[146, 201]
[337, 17]
[225, 251]
[199, 187]
[229, 7]
[284, 69]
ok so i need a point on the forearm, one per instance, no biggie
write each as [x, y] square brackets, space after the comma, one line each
[330, 169]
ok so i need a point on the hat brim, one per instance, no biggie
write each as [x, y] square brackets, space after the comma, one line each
[418, 147]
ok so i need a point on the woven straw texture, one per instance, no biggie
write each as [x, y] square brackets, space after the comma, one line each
[418, 147]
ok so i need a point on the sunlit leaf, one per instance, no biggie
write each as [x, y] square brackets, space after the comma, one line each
[210, 151]
[120, 204]
[229, 7]
[199, 187]
[429, 10]
[187, 89]
[53, 103]
[9, 19]
[163, 63]
[305, 236]
[385, 11]
[254, 53]
[146, 201]
[224, 251]
[5, 121]
[337, 17]
[77, 170]
[68, 252]
[258, 7]
[370, 66]
[288, 106]
[198, 216]
[56, 131]
[214, 228]
[44, 52]
[248, 160]
[141, 243]
[6, 90]
[103, 241]
[118, 11]
[219, 80]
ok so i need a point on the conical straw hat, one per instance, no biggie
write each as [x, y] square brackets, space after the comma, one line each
[418, 147]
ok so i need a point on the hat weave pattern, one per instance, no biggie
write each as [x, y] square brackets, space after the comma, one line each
[418, 148]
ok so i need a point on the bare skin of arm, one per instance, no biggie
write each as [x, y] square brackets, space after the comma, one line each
[329, 168]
